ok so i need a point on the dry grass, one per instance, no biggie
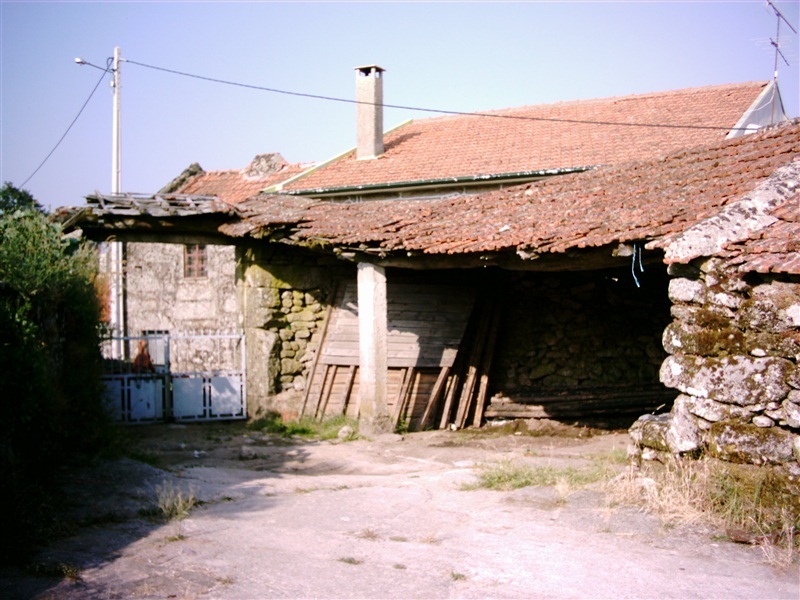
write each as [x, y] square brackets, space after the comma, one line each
[756, 505]
[510, 475]
[368, 534]
[173, 502]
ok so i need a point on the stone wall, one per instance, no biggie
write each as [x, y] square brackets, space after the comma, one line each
[159, 297]
[583, 330]
[734, 345]
[285, 294]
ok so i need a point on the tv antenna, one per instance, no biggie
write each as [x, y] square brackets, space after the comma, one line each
[776, 43]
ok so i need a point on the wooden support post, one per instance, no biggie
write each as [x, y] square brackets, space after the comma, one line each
[373, 366]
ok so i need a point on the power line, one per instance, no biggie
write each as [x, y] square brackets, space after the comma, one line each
[58, 143]
[430, 110]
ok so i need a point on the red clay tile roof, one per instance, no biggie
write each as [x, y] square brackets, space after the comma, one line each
[234, 186]
[775, 249]
[633, 202]
[537, 138]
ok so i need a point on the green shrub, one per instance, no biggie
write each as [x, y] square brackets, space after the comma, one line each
[49, 360]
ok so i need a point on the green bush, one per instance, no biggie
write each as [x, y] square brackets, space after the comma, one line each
[49, 361]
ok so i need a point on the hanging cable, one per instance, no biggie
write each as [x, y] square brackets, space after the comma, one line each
[430, 110]
[636, 260]
[46, 158]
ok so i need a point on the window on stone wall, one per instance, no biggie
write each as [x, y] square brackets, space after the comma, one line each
[195, 261]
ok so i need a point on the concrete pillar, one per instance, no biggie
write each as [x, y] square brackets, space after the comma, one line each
[373, 365]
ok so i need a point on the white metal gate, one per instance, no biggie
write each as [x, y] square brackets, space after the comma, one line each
[198, 376]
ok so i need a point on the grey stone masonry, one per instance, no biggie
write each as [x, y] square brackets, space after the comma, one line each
[734, 346]
[285, 298]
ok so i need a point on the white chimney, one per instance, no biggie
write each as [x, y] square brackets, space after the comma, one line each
[369, 111]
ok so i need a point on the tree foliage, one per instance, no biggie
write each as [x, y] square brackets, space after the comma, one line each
[49, 358]
[13, 199]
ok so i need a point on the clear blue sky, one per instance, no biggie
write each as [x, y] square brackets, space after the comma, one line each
[454, 56]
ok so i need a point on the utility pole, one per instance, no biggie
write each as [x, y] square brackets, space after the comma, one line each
[117, 249]
[116, 172]
[115, 261]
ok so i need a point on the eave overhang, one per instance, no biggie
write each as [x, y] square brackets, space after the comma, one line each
[514, 178]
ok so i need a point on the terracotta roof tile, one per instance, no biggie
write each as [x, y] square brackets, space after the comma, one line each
[235, 186]
[633, 202]
[774, 249]
[540, 138]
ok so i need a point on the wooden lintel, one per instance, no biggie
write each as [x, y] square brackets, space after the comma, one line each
[584, 259]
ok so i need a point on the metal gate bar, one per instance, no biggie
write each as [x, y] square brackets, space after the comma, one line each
[199, 376]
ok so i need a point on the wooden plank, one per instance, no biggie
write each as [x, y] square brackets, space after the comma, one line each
[318, 399]
[425, 325]
[418, 393]
[323, 332]
[348, 388]
[434, 397]
[402, 396]
[408, 335]
[581, 405]
[452, 386]
[488, 356]
[473, 364]
[401, 391]
[326, 393]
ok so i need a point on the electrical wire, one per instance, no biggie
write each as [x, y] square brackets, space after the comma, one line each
[58, 143]
[430, 110]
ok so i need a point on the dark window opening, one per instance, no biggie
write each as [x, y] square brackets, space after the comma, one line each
[195, 261]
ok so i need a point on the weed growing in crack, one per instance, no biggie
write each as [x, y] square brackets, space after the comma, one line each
[368, 534]
[61, 570]
[173, 502]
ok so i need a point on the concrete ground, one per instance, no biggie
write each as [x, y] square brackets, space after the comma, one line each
[388, 518]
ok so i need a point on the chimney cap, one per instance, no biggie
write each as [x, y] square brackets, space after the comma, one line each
[367, 69]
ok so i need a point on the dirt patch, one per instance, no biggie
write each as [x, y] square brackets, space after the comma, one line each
[387, 518]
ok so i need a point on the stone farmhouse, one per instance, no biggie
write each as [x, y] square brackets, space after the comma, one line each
[478, 286]
[189, 287]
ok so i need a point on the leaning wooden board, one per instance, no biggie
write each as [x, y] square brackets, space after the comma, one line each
[426, 326]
